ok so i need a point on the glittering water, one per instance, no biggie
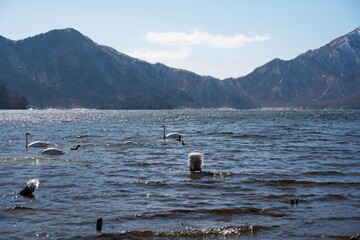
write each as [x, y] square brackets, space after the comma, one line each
[257, 163]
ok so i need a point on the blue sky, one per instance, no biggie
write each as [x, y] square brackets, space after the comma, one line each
[220, 38]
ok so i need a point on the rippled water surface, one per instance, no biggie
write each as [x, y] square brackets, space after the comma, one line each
[257, 163]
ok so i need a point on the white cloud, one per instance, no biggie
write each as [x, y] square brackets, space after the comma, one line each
[154, 56]
[203, 38]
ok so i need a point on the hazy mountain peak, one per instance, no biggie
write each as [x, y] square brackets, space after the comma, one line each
[65, 31]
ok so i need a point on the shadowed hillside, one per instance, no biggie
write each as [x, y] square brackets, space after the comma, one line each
[11, 102]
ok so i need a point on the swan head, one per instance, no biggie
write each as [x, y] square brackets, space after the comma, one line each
[196, 161]
[75, 148]
[27, 134]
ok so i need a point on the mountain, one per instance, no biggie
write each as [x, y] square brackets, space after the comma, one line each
[325, 77]
[63, 68]
[11, 102]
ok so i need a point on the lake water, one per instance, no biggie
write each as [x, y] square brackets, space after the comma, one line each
[256, 162]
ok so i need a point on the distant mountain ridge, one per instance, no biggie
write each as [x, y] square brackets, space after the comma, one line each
[325, 77]
[63, 68]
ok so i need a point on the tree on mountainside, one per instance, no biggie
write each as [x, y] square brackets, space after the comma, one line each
[11, 102]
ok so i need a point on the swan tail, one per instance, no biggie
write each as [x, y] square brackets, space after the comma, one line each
[30, 187]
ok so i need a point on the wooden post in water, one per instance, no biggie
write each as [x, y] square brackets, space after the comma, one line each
[99, 224]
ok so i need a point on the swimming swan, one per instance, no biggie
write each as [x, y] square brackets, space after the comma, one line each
[130, 143]
[53, 151]
[196, 161]
[36, 143]
[30, 187]
[175, 135]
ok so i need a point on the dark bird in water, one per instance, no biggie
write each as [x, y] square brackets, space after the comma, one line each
[294, 201]
[75, 148]
[180, 140]
[30, 187]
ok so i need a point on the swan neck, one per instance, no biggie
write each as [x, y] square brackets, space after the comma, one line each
[27, 142]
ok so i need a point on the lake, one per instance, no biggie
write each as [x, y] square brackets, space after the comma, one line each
[257, 163]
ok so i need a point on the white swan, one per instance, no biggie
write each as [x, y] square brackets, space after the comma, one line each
[53, 151]
[171, 135]
[30, 187]
[196, 160]
[36, 143]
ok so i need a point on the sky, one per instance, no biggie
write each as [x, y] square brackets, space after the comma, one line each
[219, 38]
